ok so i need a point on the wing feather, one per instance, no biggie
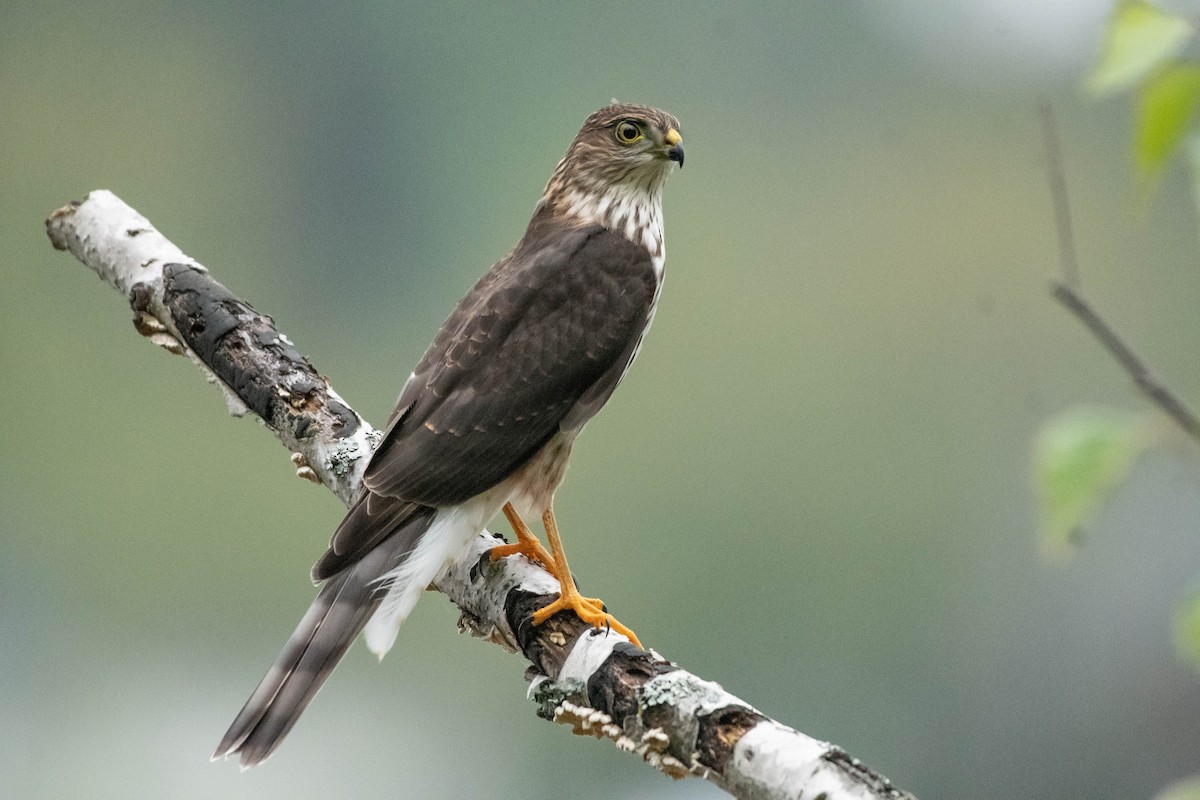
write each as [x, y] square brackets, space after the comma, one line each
[556, 320]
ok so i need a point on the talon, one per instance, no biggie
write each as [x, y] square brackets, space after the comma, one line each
[591, 610]
[586, 608]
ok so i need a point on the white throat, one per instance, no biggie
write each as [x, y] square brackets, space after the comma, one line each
[633, 211]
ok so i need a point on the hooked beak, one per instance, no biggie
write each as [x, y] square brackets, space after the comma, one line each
[674, 144]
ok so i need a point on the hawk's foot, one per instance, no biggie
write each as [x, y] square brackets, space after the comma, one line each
[527, 543]
[531, 550]
[589, 609]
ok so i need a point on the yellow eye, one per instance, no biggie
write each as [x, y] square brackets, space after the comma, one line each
[627, 132]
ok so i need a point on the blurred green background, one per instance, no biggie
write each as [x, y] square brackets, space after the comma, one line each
[814, 487]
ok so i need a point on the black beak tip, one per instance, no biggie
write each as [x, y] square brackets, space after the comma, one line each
[676, 154]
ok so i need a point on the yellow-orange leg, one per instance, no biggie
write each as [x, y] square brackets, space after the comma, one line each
[588, 609]
[527, 543]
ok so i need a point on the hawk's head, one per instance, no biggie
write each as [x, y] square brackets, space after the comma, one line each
[614, 171]
[623, 143]
[623, 138]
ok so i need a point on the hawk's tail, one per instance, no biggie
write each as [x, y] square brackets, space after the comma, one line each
[344, 605]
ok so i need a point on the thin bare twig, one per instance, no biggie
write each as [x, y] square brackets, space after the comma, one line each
[1067, 292]
[1143, 377]
[1056, 175]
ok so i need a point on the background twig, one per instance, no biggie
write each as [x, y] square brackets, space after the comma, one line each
[1068, 292]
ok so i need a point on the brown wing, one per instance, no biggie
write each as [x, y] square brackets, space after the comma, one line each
[547, 326]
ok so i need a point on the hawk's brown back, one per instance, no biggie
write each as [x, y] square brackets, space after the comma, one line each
[546, 333]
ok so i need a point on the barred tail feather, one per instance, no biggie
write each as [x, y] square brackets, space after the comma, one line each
[344, 605]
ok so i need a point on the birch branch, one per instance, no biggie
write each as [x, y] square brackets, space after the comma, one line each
[594, 681]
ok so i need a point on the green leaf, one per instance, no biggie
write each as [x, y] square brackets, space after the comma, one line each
[1185, 628]
[1081, 456]
[1166, 105]
[1186, 789]
[1138, 38]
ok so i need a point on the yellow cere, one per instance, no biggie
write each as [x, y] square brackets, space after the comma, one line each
[672, 138]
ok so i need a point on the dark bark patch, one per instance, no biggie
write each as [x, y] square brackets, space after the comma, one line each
[720, 731]
[613, 688]
[547, 645]
[248, 353]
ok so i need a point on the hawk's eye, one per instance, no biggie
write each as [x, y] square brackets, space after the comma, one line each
[627, 132]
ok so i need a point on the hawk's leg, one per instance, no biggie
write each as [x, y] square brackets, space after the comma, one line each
[588, 609]
[527, 543]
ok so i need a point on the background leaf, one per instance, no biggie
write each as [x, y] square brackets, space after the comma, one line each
[1137, 39]
[1081, 456]
[1167, 104]
[1186, 629]
[1186, 789]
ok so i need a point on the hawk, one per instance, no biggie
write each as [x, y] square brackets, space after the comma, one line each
[487, 419]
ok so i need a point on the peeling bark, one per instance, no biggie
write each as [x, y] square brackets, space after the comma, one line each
[596, 681]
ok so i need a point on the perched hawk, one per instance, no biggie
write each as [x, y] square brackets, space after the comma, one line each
[486, 421]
